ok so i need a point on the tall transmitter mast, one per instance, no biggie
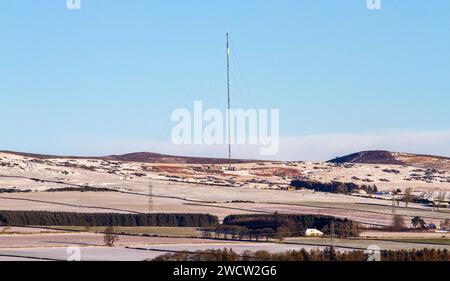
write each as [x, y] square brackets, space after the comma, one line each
[229, 106]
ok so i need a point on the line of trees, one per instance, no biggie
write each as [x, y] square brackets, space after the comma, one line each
[43, 218]
[333, 187]
[81, 189]
[327, 254]
[265, 226]
[110, 237]
[13, 190]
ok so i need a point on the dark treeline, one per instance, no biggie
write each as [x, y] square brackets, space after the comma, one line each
[327, 254]
[333, 187]
[283, 225]
[81, 189]
[42, 218]
[13, 190]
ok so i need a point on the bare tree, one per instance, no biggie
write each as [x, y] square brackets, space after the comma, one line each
[430, 198]
[398, 223]
[407, 197]
[282, 232]
[441, 198]
[110, 237]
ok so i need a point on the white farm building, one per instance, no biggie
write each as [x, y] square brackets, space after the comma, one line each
[313, 232]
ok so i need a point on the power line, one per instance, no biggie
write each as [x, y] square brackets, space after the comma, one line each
[150, 198]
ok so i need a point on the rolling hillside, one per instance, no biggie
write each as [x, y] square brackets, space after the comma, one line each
[396, 158]
[144, 157]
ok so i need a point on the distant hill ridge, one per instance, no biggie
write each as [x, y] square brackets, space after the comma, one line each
[363, 157]
[148, 157]
[395, 158]
[144, 157]
[369, 157]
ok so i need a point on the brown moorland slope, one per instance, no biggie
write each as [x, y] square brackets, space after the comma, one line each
[395, 158]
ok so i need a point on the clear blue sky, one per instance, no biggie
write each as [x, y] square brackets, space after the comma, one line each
[115, 70]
